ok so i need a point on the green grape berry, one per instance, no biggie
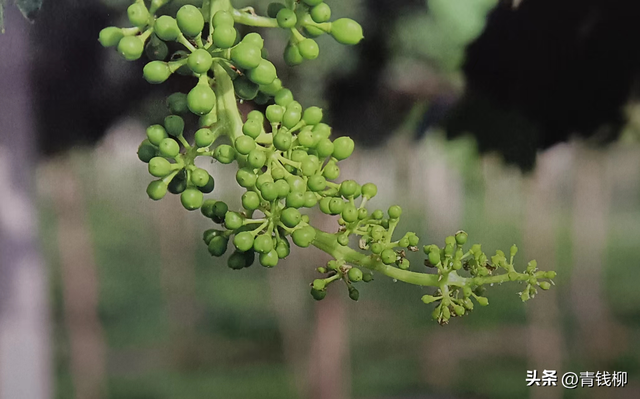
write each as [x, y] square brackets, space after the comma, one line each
[346, 31]
[283, 188]
[291, 118]
[269, 191]
[255, 39]
[246, 178]
[203, 138]
[309, 49]
[274, 8]
[177, 103]
[283, 97]
[233, 220]
[131, 47]
[156, 190]
[320, 13]
[244, 145]
[312, 115]
[283, 249]
[174, 125]
[218, 246]
[355, 274]
[224, 36]
[155, 134]
[190, 20]
[286, 18]
[350, 213]
[200, 177]
[222, 18]
[156, 72]
[283, 140]
[237, 261]
[243, 241]
[159, 167]
[388, 256]
[110, 36]
[263, 74]
[292, 56]
[257, 158]
[263, 243]
[318, 295]
[169, 148]
[225, 154]
[290, 217]
[269, 259]
[246, 55]
[166, 28]
[200, 61]
[245, 89]
[201, 99]
[275, 113]
[138, 15]
[325, 147]
[179, 183]
[295, 200]
[369, 190]
[156, 49]
[250, 200]
[336, 205]
[343, 239]
[324, 205]
[331, 171]
[304, 236]
[394, 212]
[343, 148]
[191, 199]
[317, 183]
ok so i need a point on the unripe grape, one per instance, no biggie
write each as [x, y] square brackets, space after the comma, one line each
[200, 61]
[223, 18]
[319, 284]
[201, 99]
[283, 97]
[263, 179]
[155, 134]
[320, 13]
[278, 172]
[254, 39]
[346, 31]
[233, 220]
[282, 140]
[237, 261]
[545, 285]
[344, 147]
[388, 256]
[207, 188]
[110, 36]
[434, 257]
[250, 200]
[257, 158]
[324, 205]
[263, 244]
[309, 49]
[207, 209]
[159, 167]
[244, 145]
[224, 36]
[156, 190]
[292, 56]
[200, 177]
[166, 28]
[191, 199]
[317, 183]
[263, 74]
[274, 8]
[275, 113]
[174, 125]
[318, 295]
[482, 301]
[461, 237]
[246, 178]
[291, 118]
[312, 2]
[169, 148]
[313, 31]
[283, 188]
[131, 47]
[290, 217]
[273, 88]
[283, 249]
[177, 103]
[138, 15]
[203, 138]
[354, 294]
[310, 200]
[355, 274]
[331, 171]
[245, 89]
[394, 212]
[312, 115]
[190, 20]
[348, 188]
[270, 259]
[363, 213]
[369, 190]
[336, 205]
[514, 250]
[218, 246]
[306, 138]
[243, 241]
[156, 72]
[246, 56]
[322, 130]
[156, 49]
[377, 248]
[295, 200]
[304, 236]
[350, 213]
[225, 154]
[286, 18]
[325, 147]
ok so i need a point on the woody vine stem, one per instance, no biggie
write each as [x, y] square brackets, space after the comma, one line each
[285, 157]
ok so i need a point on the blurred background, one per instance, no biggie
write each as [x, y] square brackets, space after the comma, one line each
[518, 122]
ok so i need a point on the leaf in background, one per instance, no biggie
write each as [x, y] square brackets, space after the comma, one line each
[29, 8]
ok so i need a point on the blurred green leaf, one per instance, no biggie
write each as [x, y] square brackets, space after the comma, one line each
[29, 8]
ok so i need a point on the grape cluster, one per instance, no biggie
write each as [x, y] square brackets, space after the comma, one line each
[286, 159]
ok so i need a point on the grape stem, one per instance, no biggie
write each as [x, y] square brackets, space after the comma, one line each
[246, 18]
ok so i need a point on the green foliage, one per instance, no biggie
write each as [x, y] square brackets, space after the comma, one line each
[285, 156]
